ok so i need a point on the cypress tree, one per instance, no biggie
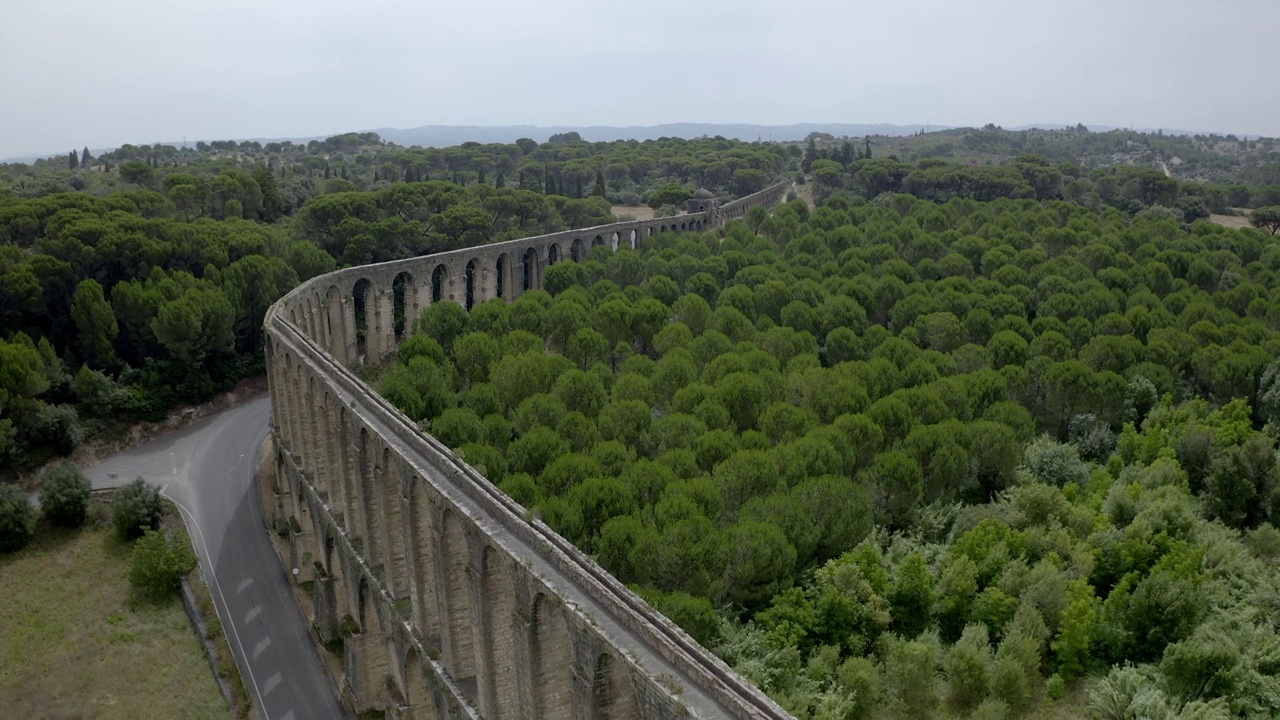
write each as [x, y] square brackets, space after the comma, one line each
[599, 188]
[501, 181]
[867, 154]
[75, 161]
[85, 157]
[480, 176]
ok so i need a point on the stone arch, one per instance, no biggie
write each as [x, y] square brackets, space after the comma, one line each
[415, 682]
[613, 697]
[497, 594]
[396, 567]
[597, 240]
[552, 659]
[502, 277]
[578, 250]
[553, 254]
[371, 503]
[366, 322]
[683, 227]
[460, 646]
[365, 611]
[472, 275]
[614, 240]
[439, 278]
[531, 274]
[427, 612]
[651, 232]
[403, 303]
[634, 236]
[335, 325]
[662, 229]
[346, 463]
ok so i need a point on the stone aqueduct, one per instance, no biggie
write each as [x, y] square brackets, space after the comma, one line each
[451, 601]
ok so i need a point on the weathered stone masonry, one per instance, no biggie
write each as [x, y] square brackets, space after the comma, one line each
[450, 601]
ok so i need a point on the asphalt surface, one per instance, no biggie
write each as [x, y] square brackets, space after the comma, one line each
[208, 469]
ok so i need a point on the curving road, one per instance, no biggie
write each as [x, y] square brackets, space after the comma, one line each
[208, 469]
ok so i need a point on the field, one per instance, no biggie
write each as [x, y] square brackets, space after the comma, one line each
[1231, 221]
[76, 643]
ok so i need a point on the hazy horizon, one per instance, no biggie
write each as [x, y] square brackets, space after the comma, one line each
[79, 73]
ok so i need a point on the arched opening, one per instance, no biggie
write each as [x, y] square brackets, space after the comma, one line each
[683, 227]
[415, 682]
[364, 605]
[371, 504]
[531, 269]
[662, 229]
[334, 329]
[354, 517]
[439, 277]
[597, 240]
[457, 600]
[500, 642]
[401, 286]
[396, 566]
[427, 618]
[613, 242]
[470, 273]
[578, 250]
[552, 656]
[612, 695]
[553, 254]
[633, 239]
[360, 295]
[500, 280]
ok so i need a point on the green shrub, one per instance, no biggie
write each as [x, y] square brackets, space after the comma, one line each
[159, 563]
[135, 508]
[17, 519]
[64, 496]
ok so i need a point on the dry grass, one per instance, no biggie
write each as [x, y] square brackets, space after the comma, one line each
[639, 212]
[1231, 221]
[76, 643]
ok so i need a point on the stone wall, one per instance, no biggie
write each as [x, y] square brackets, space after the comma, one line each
[449, 600]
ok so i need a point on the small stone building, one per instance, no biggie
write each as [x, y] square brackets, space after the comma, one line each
[702, 201]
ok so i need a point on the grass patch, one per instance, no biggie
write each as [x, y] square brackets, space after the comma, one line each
[77, 641]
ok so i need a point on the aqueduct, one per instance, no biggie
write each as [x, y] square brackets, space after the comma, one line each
[448, 599]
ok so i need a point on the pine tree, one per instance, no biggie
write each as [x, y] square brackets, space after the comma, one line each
[810, 154]
[75, 162]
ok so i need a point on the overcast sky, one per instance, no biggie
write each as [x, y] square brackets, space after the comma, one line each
[106, 72]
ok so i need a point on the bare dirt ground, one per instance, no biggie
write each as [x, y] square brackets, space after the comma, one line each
[639, 212]
[1231, 221]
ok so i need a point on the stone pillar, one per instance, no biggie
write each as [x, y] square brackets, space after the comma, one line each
[365, 665]
[387, 323]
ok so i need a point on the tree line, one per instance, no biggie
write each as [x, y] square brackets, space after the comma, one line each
[905, 458]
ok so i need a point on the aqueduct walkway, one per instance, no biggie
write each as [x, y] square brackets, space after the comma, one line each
[449, 600]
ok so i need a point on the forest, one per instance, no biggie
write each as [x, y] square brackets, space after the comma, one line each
[967, 439]
[902, 458]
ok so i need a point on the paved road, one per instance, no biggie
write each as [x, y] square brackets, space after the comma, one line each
[208, 470]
